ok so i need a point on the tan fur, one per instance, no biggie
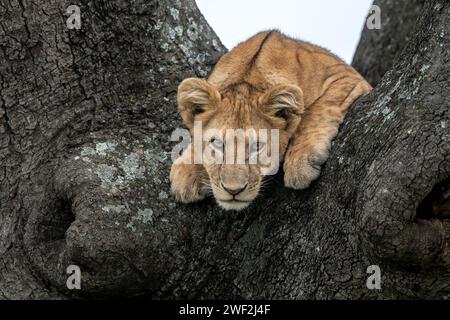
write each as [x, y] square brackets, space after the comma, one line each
[268, 75]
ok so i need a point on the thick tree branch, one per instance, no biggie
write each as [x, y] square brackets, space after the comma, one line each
[378, 49]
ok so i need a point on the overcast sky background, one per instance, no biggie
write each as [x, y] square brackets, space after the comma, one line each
[333, 24]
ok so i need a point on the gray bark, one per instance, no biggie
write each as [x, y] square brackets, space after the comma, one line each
[85, 122]
[378, 48]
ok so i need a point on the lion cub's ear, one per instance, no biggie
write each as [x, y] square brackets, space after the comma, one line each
[196, 96]
[285, 104]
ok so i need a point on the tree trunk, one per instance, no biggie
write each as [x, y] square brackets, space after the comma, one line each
[85, 123]
[378, 49]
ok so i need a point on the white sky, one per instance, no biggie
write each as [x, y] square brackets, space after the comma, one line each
[333, 24]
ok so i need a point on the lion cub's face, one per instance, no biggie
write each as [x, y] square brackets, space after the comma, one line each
[243, 132]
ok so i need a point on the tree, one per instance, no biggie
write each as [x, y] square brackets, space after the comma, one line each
[85, 123]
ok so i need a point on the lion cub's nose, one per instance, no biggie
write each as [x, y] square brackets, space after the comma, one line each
[233, 191]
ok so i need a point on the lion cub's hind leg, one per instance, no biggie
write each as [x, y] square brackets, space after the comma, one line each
[310, 145]
[189, 182]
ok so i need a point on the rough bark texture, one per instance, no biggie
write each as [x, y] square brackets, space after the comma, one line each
[85, 122]
[378, 49]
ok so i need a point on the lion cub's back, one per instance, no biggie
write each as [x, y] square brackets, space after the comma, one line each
[270, 58]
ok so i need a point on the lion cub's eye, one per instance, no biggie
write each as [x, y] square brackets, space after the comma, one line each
[257, 147]
[217, 144]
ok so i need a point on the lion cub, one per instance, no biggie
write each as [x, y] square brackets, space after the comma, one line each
[267, 82]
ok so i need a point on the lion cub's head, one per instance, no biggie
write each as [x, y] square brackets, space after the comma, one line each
[239, 126]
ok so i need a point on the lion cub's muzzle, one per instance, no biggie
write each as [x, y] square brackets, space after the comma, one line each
[236, 189]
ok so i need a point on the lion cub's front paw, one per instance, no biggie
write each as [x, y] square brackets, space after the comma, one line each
[301, 170]
[298, 175]
[188, 183]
